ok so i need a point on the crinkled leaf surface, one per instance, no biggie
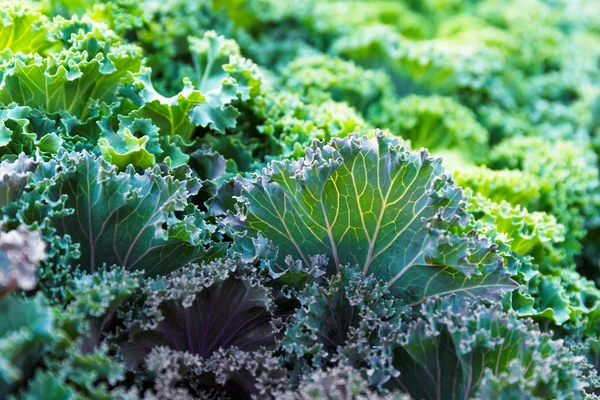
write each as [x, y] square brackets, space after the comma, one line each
[25, 130]
[124, 147]
[347, 318]
[226, 374]
[375, 204]
[221, 76]
[448, 352]
[26, 333]
[71, 80]
[22, 29]
[136, 221]
[202, 309]
[46, 83]
[138, 142]
[169, 114]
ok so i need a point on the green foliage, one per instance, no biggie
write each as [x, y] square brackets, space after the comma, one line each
[24, 30]
[27, 332]
[25, 130]
[349, 317]
[532, 246]
[76, 79]
[341, 80]
[195, 201]
[42, 355]
[290, 125]
[568, 178]
[374, 204]
[435, 123]
[158, 229]
[513, 186]
[460, 349]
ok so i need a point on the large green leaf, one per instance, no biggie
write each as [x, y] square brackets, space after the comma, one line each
[464, 350]
[375, 204]
[138, 221]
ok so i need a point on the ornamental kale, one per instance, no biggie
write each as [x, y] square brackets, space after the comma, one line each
[266, 199]
[374, 204]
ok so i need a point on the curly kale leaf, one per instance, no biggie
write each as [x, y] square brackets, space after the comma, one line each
[513, 186]
[436, 123]
[136, 221]
[138, 142]
[202, 309]
[462, 349]
[53, 363]
[26, 130]
[568, 178]
[75, 80]
[343, 81]
[226, 374]
[349, 317]
[23, 30]
[94, 300]
[375, 204]
[220, 77]
[53, 98]
[26, 333]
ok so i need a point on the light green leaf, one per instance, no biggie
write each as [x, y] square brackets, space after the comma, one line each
[72, 80]
[169, 114]
[26, 130]
[22, 29]
[123, 147]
